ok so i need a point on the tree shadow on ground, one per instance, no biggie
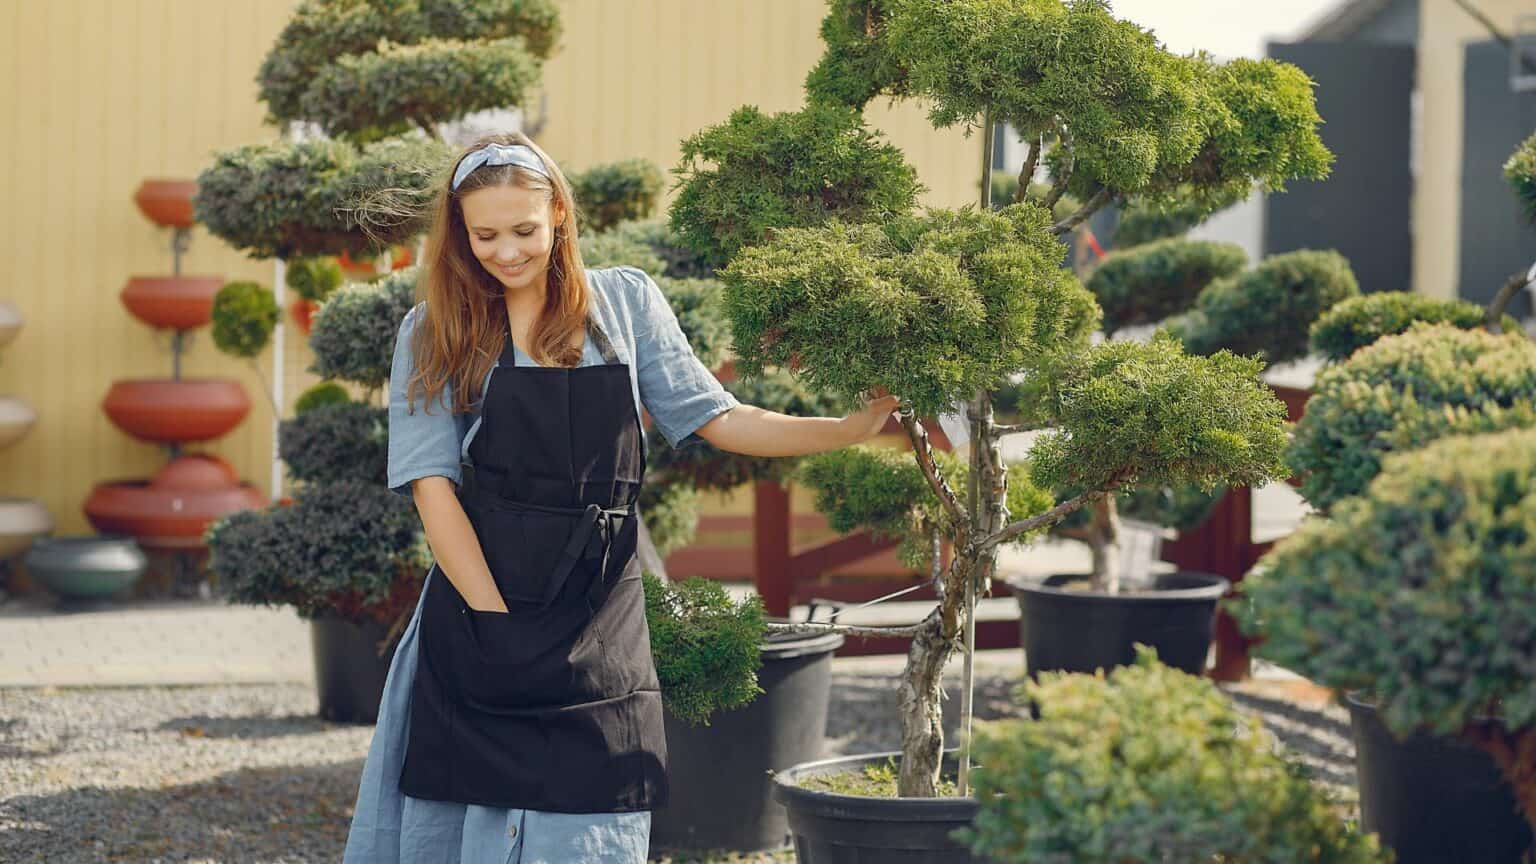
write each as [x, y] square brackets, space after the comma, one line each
[1323, 743]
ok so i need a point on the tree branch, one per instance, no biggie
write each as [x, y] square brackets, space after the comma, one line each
[1059, 188]
[1016, 428]
[1099, 199]
[924, 450]
[1027, 173]
[1022, 526]
[844, 629]
[1495, 312]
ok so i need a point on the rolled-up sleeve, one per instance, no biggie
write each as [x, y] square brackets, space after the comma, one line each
[677, 390]
[420, 444]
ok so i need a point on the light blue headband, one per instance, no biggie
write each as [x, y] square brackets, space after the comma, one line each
[520, 155]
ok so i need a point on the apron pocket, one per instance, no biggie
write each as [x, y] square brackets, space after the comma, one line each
[534, 555]
[525, 659]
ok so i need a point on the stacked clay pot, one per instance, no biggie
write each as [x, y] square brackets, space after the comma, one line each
[22, 520]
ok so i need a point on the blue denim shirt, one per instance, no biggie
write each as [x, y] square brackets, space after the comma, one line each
[667, 380]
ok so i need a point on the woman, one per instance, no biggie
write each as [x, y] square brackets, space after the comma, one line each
[521, 721]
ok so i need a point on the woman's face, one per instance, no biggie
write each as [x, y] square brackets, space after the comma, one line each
[511, 232]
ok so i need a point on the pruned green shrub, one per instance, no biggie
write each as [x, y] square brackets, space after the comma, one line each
[322, 394]
[363, 67]
[616, 248]
[1520, 171]
[1149, 765]
[1269, 309]
[348, 441]
[1140, 414]
[1359, 321]
[353, 335]
[758, 173]
[1402, 392]
[970, 297]
[313, 278]
[857, 65]
[353, 548]
[1152, 282]
[620, 192]
[244, 314]
[707, 646]
[292, 199]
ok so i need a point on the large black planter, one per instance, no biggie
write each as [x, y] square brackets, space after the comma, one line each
[1077, 631]
[1433, 799]
[349, 673]
[847, 829]
[721, 786]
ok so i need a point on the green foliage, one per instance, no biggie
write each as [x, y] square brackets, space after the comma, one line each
[1133, 107]
[371, 94]
[757, 173]
[244, 314]
[623, 191]
[705, 467]
[1169, 214]
[1146, 284]
[313, 278]
[1520, 171]
[1149, 765]
[1359, 321]
[857, 65]
[1402, 392]
[345, 547]
[1269, 309]
[1181, 507]
[1149, 414]
[680, 261]
[343, 63]
[353, 335]
[1420, 592]
[671, 511]
[879, 489]
[322, 394]
[618, 248]
[697, 303]
[932, 308]
[330, 443]
[292, 199]
[707, 646]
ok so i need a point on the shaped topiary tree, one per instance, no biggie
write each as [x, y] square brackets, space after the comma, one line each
[832, 276]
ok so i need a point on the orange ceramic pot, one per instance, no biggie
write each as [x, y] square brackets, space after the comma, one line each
[166, 411]
[353, 267]
[167, 202]
[400, 257]
[175, 302]
[303, 312]
[172, 510]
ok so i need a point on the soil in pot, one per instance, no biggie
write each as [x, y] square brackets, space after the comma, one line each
[1434, 799]
[831, 827]
[721, 785]
[1081, 631]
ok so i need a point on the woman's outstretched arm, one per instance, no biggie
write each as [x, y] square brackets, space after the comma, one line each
[752, 431]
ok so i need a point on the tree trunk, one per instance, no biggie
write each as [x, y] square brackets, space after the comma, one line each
[922, 729]
[1104, 541]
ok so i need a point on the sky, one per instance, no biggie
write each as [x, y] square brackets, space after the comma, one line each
[1226, 28]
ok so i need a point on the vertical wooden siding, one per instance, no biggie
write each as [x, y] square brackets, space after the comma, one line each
[97, 95]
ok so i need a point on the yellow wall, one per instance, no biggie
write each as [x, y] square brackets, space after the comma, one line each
[97, 95]
[1444, 29]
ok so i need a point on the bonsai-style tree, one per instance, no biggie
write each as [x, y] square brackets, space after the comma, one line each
[1179, 784]
[832, 275]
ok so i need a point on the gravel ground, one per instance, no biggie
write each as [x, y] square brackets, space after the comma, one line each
[249, 774]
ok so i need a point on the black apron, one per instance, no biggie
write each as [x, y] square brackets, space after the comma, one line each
[553, 705]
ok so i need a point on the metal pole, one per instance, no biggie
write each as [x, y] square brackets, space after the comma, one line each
[279, 275]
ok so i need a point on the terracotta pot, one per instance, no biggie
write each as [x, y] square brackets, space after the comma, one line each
[175, 302]
[353, 267]
[165, 411]
[22, 520]
[303, 312]
[167, 202]
[10, 322]
[16, 419]
[400, 257]
[171, 510]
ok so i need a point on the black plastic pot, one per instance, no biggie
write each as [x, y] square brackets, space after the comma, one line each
[1434, 799]
[847, 829]
[1077, 631]
[722, 790]
[349, 672]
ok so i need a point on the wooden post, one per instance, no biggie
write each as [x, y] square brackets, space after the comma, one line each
[770, 547]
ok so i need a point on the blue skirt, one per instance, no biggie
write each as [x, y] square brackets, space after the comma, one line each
[391, 828]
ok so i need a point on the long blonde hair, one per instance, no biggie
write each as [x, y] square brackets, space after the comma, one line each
[463, 331]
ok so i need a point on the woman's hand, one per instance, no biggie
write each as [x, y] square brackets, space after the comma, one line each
[867, 423]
